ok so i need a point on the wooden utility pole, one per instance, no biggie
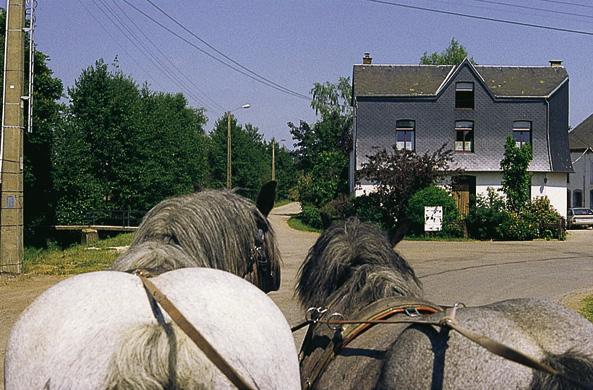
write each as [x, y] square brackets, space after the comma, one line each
[11, 144]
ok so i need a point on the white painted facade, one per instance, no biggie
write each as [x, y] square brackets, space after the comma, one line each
[580, 184]
[550, 184]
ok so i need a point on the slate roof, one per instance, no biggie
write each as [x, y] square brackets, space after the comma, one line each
[581, 137]
[425, 80]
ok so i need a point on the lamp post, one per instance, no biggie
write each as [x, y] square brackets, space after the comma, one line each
[274, 159]
[229, 146]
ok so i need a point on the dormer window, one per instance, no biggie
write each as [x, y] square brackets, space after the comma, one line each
[404, 134]
[464, 95]
[464, 136]
[522, 133]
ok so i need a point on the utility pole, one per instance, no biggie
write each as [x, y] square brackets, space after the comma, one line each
[11, 143]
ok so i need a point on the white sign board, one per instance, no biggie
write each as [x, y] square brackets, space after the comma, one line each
[433, 218]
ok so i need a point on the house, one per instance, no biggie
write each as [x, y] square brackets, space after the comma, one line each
[472, 109]
[580, 183]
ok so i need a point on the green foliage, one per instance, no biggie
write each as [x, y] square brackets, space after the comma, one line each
[434, 196]
[452, 55]
[548, 222]
[326, 180]
[251, 157]
[491, 218]
[368, 208]
[488, 214]
[400, 174]
[311, 216]
[286, 171]
[295, 223]
[122, 147]
[322, 149]
[516, 181]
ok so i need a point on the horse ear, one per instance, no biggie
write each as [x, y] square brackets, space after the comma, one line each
[266, 197]
[396, 235]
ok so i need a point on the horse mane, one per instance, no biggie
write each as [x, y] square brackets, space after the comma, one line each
[214, 229]
[351, 265]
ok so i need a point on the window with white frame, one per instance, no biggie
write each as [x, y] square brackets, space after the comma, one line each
[405, 134]
[464, 136]
[522, 133]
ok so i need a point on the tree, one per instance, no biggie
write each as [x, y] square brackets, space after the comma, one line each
[452, 55]
[328, 139]
[397, 176]
[516, 181]
[251, 157]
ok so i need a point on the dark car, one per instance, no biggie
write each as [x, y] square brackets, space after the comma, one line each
[579, 216]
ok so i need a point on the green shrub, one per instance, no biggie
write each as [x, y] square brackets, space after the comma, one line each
[367, 208]
[544, 216]
[434, 196]
[311, 216]
[484, 218]
[325, 181]
[514, 227]
[335, 209]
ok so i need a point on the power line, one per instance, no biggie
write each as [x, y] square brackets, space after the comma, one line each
[218, 51]
[568, 3]
[233, 67]
[171, 63]
[439, 11]
[140, 46]
[534, 8]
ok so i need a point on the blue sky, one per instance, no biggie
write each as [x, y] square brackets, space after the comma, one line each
[298, 43]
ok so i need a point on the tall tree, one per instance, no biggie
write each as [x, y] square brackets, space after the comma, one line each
[327, 140]
[250, 156]
[516, 180]
[452, 55]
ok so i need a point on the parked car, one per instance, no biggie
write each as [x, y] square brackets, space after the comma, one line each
[580, 216]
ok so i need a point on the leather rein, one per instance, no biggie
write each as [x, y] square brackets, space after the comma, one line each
[441, 316]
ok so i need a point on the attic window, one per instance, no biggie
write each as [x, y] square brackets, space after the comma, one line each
[404, 134]
[522, 133]
[464, 95]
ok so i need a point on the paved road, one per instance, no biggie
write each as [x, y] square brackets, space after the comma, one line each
[474, 272]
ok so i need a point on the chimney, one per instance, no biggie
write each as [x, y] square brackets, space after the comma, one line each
[367, 59]
[555, 63]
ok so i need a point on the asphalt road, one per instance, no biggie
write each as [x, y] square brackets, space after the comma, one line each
[474, 272]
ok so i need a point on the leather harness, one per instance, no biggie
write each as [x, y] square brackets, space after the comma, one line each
[417, 311]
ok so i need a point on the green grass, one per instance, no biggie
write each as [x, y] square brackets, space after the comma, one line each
[587, 308]
[296, 223]
[74, 260]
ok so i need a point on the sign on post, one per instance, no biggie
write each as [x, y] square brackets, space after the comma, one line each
[433, 218]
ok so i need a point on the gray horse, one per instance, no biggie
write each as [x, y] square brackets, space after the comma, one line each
[352, 267]
[213, 229]
[101, 331]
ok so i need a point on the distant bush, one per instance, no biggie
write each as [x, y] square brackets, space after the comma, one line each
[434, 196]
[367, 208]
[311, 216]
[491, 219]
[486, 216]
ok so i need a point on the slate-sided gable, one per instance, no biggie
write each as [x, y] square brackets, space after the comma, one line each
[581, 137]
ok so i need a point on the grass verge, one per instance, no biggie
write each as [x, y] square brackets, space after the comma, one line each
[586, 308]
[297, 224]
[76, 259]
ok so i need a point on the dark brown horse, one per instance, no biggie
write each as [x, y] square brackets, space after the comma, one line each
[352, 269]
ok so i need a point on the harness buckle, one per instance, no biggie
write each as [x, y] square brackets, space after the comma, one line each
[314, 314]
[412, 311]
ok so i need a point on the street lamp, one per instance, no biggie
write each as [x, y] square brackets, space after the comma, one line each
[273, 158]
[228, 145]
